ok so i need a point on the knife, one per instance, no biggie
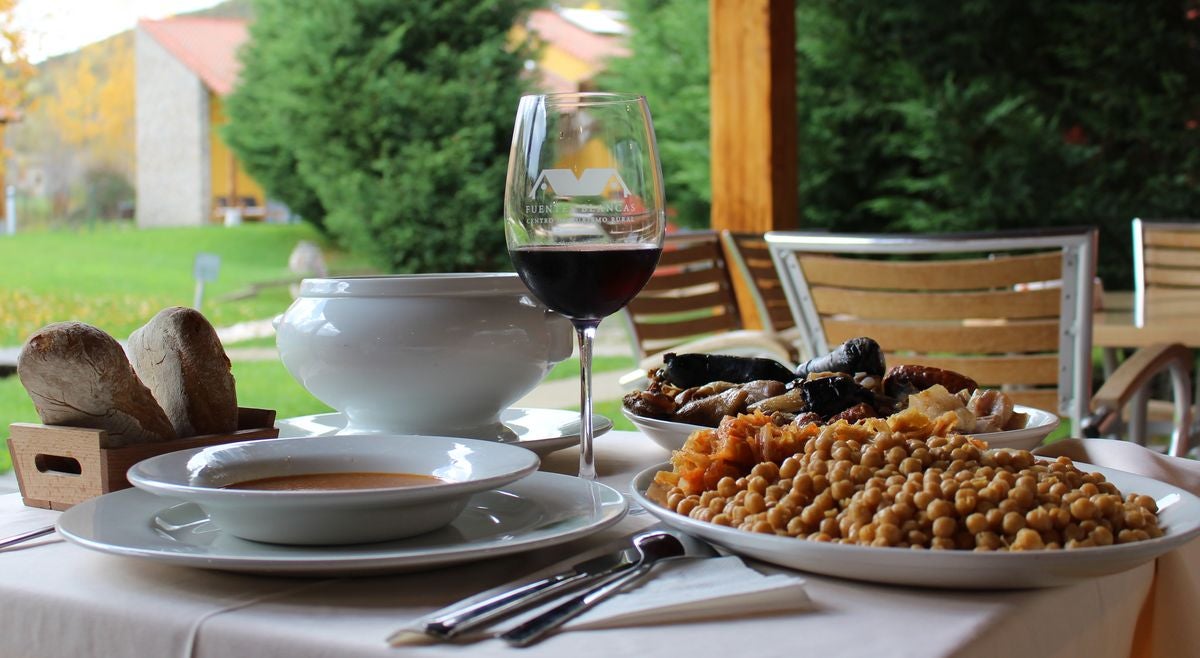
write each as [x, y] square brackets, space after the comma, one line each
[480, 609]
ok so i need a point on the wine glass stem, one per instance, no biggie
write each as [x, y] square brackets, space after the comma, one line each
[586, 331]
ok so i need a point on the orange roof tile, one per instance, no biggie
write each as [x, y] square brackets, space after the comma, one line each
[591, 48]
[207, 46]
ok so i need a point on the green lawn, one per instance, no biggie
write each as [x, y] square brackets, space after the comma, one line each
[116, 277]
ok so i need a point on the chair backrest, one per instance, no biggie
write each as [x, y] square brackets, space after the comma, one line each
[1166, 269]
[751, 258]
[1011, 310]
[689, 295]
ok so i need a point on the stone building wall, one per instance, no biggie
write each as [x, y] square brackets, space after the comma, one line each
[173, 186]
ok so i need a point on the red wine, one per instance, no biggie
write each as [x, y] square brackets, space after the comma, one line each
[586, 282]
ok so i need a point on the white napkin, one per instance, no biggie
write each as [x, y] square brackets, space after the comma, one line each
[676, 591]
[691, 590]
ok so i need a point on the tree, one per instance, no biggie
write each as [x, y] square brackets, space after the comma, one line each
[670, 66]
[89, 101]
[15, 69]
[390, 120]
[913, 116]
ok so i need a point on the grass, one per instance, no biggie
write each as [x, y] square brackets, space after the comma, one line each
[117, 277]
[569, 369]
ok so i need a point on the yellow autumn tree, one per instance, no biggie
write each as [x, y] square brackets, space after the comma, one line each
[97, 116]
[15, 69]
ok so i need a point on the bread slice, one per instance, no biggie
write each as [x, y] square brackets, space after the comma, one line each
[180, 358]
[79, 376]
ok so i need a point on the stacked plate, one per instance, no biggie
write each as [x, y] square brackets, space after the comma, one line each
[253, 506]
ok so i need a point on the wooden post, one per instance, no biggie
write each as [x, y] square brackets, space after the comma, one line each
[752, 55]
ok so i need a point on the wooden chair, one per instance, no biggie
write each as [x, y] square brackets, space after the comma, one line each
[1166, 277]
[689, 306]
[750, 257]
[1166, 270]
[1012, 310]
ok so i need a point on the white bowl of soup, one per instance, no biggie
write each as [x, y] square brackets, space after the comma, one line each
[346, 489]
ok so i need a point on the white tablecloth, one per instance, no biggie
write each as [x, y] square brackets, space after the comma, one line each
[60, 600]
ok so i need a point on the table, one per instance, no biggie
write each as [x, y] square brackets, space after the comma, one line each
[1114, 326]
[60, 600]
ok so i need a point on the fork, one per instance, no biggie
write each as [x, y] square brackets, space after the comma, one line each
[25, 536]
[654, 548]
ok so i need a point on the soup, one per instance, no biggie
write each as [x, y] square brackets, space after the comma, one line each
[337, 481]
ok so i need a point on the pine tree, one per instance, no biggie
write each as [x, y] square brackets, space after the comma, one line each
[388, 122]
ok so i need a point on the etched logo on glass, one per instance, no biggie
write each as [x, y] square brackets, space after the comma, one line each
[592, 182]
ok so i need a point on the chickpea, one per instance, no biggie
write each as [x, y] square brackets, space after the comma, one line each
[726, 487]
[722, 519]
[1107, 505]
[757, 484]
[686, 505]
[755, 503]
[866, 533]
[829, 526]
[1022, 496]
[1038, 519]
[922, 499]
[948, 488]
[942, 543]
[820, 482]
[944, 526]
[987, 540]
[995, 518]
[674, 498]
[789, 468]
[802, 484]
[763, 527]
[903, 511]
[1027, 539]
[939, 509]
[796, 526]
[841, 489]
[1083, 508]
[871, 458]
[1022, 459]
[1102, 536]
[777, 518]
[872, 497]
[976, 523]
[910, 465]
[1012, 523]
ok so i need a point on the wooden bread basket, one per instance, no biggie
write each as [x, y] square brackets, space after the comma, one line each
[58, 466]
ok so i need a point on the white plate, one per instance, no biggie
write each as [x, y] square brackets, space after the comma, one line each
[671, 435]
[666, 433]
[1038, 426]
[541, 510]
[208, 477]
[954, 569]
[540, 430]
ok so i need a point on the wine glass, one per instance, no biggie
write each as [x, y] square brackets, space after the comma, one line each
[584, 213]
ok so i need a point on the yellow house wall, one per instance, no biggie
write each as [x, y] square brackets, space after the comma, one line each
[555, 59]
[222, 157]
